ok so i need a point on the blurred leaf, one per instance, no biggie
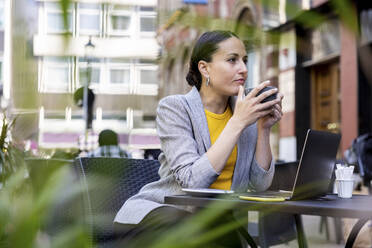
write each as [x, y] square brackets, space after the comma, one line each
[347, 13]
[75, 237]
[64, 7]
[24, 210]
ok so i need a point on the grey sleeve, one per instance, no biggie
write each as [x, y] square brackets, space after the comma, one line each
[174, 127]
[260, 179]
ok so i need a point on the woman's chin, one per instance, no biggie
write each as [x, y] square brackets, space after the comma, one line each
[236, 91]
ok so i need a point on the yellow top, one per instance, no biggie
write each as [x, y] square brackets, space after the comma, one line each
[216, 123]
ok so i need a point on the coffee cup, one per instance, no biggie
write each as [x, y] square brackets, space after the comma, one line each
[345, 187]
[267, 99]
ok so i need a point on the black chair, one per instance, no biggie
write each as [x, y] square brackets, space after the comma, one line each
[277, 228]
[363, 148]
[108, 183]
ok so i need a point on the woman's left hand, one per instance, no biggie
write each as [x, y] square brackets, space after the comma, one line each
[269, 120]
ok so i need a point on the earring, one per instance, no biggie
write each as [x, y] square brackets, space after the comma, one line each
[207, 83]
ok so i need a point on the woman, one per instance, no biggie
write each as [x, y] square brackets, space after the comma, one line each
[213, 136]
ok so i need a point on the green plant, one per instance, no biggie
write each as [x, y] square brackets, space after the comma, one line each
[9, 154]
[26, 209]
[28, 195]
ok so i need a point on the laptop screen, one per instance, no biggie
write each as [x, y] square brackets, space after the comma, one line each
[316, 164]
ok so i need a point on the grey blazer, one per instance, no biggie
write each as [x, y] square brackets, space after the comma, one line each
[184, 135]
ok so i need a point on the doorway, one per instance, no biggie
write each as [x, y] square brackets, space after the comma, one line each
[325, 97]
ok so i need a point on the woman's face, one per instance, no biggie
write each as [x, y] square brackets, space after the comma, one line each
[228, 70]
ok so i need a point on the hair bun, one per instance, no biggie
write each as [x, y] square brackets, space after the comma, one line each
[190, 78]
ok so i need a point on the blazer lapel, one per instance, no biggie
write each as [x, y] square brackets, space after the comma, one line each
[198, 117]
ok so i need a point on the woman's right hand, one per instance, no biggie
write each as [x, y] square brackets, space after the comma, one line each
[248, 109]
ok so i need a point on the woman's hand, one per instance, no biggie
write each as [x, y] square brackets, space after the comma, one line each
[276, 114]
[249, 109]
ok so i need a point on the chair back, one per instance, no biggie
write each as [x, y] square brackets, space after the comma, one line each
[365, 158]
[108, 183]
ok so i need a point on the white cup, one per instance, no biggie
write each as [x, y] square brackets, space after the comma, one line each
[345, 187]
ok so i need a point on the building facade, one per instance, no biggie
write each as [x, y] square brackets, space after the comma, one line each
[330, 89]
[119, 65]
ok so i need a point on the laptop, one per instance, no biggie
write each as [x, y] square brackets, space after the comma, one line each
[315, 168]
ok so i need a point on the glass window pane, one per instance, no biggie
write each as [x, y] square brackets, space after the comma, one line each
[89, 6]
[119, 60]
[149, 77]
[95, 75]
[2, 15]
[55, 23]
[91, 60]
[145, 8]
[54, 6]
[147, 24]
[120, 22]
[119, 76]
[1, 70]
[83, 75]
[57, 74]
[90, 22]
[56, 78]
[60, 60]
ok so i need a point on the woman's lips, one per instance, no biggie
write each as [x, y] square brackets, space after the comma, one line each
[241, 81]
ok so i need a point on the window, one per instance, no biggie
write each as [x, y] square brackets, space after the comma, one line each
[147, 24]
[147, 20]
[148, 75]
[365, 25]
[270, 13]
[95, 72]
[54, 19]
[119, 71]
[325, 39]
[1, 70]
[55, 74]
[97, 19]
[89, 19]
[119, 75]
[120, 20]
[2, 18]
[1, 75]
[147, 82]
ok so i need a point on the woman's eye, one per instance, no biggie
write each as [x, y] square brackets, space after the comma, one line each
[232, 60]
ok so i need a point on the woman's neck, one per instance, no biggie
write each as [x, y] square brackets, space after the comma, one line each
[213, 102]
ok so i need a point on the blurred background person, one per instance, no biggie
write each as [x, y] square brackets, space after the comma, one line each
[108, 146]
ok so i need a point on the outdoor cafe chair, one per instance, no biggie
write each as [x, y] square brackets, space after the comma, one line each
[107, 184]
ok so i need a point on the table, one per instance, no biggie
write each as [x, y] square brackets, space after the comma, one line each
[357, 207]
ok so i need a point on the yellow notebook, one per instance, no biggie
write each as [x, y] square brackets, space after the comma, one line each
[262, 199]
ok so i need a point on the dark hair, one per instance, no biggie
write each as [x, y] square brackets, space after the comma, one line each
[204, 48]
[107, 137]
